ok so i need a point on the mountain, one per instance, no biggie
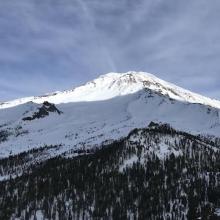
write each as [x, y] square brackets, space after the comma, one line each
[154, 173]
[123, 146]
[117, 84]
[105, 109]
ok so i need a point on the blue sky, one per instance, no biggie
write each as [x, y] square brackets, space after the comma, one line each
[49, 45]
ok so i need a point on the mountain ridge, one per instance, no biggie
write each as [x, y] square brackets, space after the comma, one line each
[123, 146]
[110, 85]
[153, 173]
[121, 102]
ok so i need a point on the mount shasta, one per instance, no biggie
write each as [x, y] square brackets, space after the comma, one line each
[119, 137]
[102, 110]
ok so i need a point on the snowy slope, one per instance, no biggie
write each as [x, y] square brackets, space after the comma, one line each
[105, 109]
[117, 84]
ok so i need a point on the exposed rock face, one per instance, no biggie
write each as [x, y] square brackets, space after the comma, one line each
[43, 111]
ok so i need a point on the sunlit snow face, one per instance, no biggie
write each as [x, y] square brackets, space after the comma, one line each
[61, 44]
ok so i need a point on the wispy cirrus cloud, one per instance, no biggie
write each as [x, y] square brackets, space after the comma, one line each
[55, 45]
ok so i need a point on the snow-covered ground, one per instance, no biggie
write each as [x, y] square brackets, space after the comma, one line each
[116, 84]
[107, 108]
[217, 212]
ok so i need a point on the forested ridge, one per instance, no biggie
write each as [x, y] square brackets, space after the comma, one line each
[129, 179]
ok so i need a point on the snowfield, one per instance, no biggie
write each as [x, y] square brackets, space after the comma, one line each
[117, 84]
[105, 109]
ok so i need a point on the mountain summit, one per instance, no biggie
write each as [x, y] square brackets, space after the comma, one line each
[123, 146]
[103, 110]
[117, 84]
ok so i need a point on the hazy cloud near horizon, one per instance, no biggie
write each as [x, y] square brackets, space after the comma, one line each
[55, 45]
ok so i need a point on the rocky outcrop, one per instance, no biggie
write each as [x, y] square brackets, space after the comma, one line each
[43, 111]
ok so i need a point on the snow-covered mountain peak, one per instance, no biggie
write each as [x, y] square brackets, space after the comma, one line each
[127, 78]
[121, 83]
[129, 100]
[112, 85]
[127, 83]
